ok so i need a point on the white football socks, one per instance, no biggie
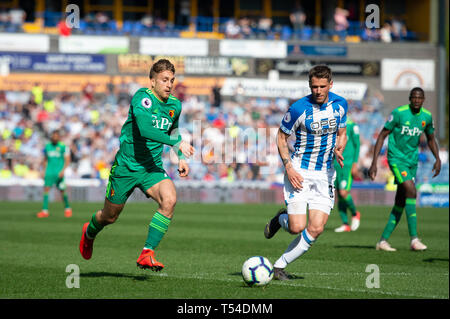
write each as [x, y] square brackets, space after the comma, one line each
[296, 248]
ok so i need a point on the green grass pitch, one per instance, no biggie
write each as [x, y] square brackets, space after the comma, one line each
[204, 250]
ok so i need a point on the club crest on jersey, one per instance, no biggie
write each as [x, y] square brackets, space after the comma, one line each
[172, 113]
[146, 102]
[287, 117]
[423, 123]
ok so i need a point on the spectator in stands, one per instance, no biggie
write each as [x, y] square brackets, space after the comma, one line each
[161, 24]
[180, 89]
[85, 167]
[372, 34]
[232, 29]
[385, 33]
[37, 93]
[88, 93]
[404, 33]
[397, 28]
[184, 13]
[63, 29]
[216, 97]
[133, 86]
[124, 97]
[245, 28]
[147, 22]
[90, 21]
[239, 94]
[340, 22]
[265, 26]
[16, 19]
[4, 18]
[298, 18]
[101, 21]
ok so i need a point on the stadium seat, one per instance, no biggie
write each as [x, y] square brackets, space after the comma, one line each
[127, 27]
[137, 28]
[286, 33]
[306, 34]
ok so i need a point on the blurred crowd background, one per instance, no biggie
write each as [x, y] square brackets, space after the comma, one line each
[91, 125]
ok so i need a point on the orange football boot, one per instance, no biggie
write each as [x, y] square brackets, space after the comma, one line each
[147, 260]
[68, 212]
[42, 214]
[86, 244]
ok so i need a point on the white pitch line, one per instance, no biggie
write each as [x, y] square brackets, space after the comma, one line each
[292, 284]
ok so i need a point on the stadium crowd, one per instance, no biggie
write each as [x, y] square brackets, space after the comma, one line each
[233, 137]
[342, 26]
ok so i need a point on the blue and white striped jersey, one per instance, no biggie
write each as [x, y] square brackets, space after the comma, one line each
[315, 127]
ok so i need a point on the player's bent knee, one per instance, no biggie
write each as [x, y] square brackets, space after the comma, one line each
[109, 214]
[110, 219]
[315, 231]
[168, 205]
[296, 229]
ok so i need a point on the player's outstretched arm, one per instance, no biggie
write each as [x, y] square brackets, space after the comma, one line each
[378, 145]
[341, 142]
[294, 177]
[432, 144]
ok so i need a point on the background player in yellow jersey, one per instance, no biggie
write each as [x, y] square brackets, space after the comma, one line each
[152, 122]
[56, 160]
[404, 127]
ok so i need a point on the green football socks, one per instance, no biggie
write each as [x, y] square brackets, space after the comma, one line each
[410, 210]
[66, 200]
[342, 206]
[45, 201]
[351, 204]
[394, 219]
[156, 230]
[94, 227]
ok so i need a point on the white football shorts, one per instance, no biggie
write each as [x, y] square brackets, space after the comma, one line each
[317, 192]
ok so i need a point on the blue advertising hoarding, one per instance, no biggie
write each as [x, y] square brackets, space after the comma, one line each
[317, 50]
[54, 62]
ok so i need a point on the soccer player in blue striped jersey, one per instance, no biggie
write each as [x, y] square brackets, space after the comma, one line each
[319, 123]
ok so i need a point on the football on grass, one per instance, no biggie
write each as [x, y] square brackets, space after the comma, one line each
[257, 271]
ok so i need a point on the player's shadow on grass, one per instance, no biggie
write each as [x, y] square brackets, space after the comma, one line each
[354, 246]
[430, 260]
[110, 274]
[292, 276]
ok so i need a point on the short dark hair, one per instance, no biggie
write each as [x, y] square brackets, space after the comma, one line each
[320, 72]
[419, 89]
[161, 66]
